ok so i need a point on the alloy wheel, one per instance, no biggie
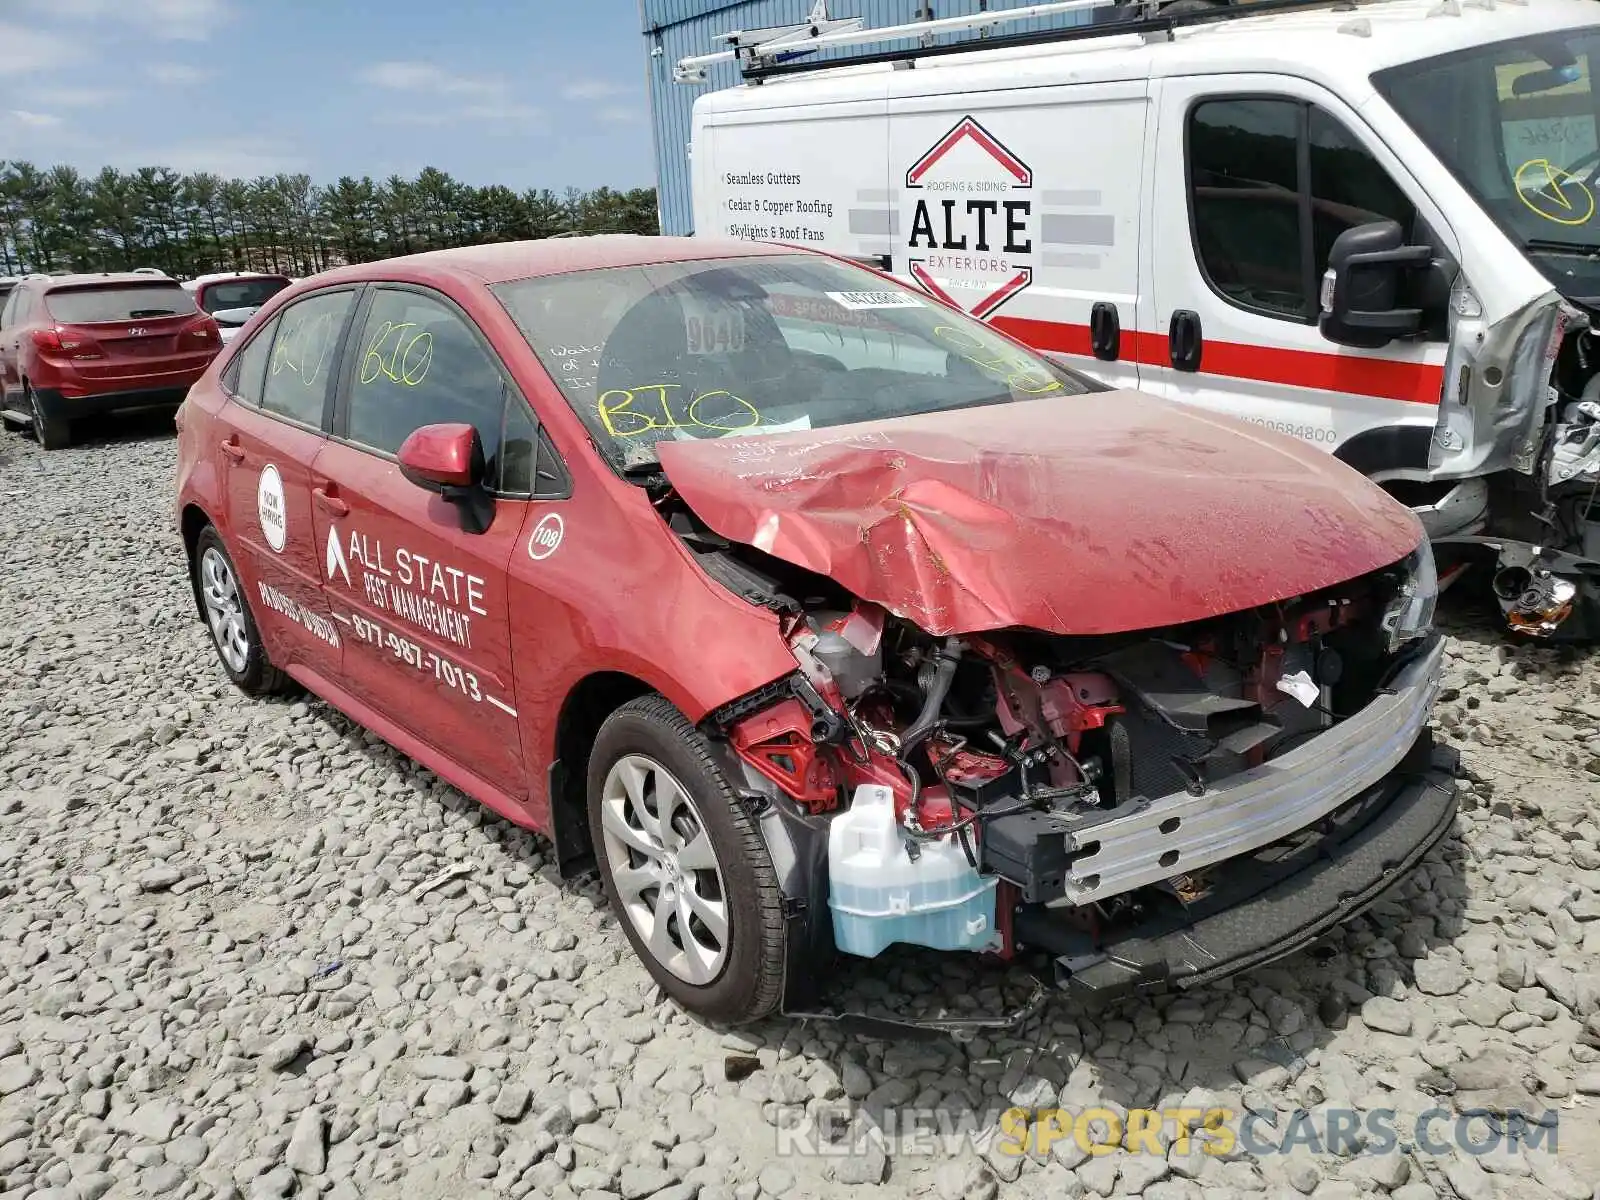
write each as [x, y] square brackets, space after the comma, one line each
[665, 868]
[224, 609]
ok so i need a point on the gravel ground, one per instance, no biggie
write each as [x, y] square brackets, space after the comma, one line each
[222, 974]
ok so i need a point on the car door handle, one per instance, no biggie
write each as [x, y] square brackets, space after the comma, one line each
[330, 503]
[232, 448]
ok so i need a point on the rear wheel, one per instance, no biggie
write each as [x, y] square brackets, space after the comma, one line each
[685, 867]
[51, 433]
[233, 628]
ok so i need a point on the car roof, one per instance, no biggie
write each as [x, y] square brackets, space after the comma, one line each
[502, 262]
[105, 277]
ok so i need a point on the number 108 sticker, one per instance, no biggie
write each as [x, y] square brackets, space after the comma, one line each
[546, 536]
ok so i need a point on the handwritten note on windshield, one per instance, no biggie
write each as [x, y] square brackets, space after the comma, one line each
[630, 412]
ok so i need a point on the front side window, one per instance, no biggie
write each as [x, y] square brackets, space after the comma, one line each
[1516, 123]
[1273, 181]
[118, 302]
[302, 361]
[742, 346]
[418, 362]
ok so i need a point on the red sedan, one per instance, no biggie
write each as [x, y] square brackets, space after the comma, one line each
[819, 616]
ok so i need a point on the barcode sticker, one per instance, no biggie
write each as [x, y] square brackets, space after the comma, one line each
[856, 301]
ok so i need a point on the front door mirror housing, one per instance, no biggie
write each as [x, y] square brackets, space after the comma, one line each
[1365, 285]
[448, 460]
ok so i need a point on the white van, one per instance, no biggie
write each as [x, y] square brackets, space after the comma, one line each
[1369, 226]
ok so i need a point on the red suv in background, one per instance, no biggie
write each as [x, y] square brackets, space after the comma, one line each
[74, 346]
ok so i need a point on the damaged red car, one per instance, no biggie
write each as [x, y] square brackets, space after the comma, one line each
[819, 617]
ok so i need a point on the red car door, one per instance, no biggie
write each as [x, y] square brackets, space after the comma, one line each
[279, 388]
[422, 602]
[11, 315]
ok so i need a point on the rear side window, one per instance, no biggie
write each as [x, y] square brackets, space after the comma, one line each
[118, 302]
[302, 361]
[1273, 181]
[247, 374]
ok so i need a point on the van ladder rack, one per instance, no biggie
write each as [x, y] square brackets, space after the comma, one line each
[768, 53]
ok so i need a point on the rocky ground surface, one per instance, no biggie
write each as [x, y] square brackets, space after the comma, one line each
[246, 950]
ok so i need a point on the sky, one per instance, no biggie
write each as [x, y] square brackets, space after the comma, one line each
[492, 91]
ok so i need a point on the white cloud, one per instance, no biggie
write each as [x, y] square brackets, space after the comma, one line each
[592, 89]
[176, 74]
[72, 97]
[452, 99]
[167, 20]
[32, 120]
[425, 77]
[230, 158]
[23, 50]
[618, 115]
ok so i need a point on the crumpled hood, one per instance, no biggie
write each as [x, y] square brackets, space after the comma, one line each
[1102, 513]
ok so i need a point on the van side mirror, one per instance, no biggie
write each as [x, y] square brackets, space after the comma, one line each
[1364, 283]
[448, 460]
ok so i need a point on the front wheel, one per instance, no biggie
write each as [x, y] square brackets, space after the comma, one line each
[685, 867]
[233, 628]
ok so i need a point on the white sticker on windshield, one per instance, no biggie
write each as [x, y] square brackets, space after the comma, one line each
[856, 301]
[798, 425]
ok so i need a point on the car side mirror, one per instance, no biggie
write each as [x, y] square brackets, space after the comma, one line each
[448, 460]
[1364, 284]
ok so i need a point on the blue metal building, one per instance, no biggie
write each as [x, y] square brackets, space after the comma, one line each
[675, 29]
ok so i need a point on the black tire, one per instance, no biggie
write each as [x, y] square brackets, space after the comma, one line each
[255, 676]
[749, 984]
[50, 433]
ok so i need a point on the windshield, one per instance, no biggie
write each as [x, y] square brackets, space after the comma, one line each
[745, 346]
[240, 293]
[1515, 122]
[119, 302]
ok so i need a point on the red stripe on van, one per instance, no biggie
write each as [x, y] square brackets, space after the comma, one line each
[1384, 378]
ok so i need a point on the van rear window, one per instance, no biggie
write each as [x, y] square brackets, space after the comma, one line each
[118, 302]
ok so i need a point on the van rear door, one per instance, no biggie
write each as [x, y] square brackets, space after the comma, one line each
[1255, 176]
[1021, 205]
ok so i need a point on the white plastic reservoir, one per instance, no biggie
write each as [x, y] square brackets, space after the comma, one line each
[879, 895]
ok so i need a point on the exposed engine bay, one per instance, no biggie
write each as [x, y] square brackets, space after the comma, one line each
[1048, 791]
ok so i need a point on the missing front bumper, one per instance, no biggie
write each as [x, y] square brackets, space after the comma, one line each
[1077, 858]
[1273, 903]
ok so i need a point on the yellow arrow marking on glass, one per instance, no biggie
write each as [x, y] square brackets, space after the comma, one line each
[1537, 177]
